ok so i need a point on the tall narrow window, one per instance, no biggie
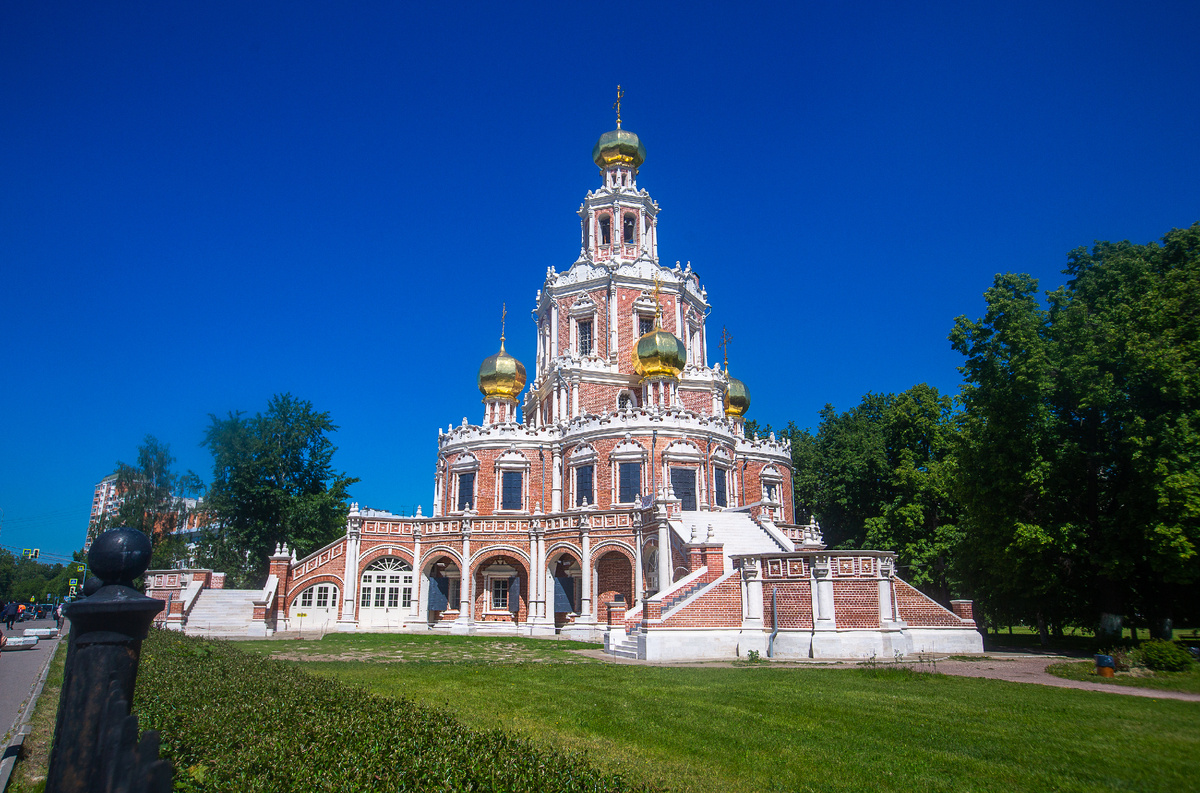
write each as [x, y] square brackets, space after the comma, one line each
[510, 496]
[605, 231]
[585, 337]
[583, 485]
[719, 487]
[629, 229]
[645, 325]
[466, 490]
[500, 594]
[631, 482]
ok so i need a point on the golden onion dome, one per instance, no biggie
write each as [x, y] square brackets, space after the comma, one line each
[619, 147]
[501, 375]
[659, 353]
[737, 398]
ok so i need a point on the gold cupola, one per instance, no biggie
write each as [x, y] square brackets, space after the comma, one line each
[659, 353]
[501, 376]
[737, 398]
[619, 146]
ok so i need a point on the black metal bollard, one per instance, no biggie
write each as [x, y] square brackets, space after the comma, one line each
[95, 738]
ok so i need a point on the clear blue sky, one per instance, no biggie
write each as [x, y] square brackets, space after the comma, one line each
[205, 204]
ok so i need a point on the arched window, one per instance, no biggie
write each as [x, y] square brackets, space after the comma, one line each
[629, 229]
[387, 584]
[605, 231]
[321, 596]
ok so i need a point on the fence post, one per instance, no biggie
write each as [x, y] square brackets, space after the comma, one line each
[96, 749]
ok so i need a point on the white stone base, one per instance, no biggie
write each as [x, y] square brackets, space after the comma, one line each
[945, 640]
[732, 643]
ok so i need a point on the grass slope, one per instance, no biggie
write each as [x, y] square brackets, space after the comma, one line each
[815, 729]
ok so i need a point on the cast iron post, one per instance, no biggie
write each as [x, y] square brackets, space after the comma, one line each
[94, 735]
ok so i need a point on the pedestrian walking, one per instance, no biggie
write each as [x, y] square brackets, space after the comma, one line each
[10, 614]
[58, 616]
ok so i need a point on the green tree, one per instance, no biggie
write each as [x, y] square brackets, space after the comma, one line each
[273, 482]
[1079, 467]
[155, 500]
[918, 514]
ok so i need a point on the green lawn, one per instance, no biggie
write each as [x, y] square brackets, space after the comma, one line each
[390, 647]
[1188, 681]
[762, 728]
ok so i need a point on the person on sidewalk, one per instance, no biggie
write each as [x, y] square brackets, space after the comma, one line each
[10, 614]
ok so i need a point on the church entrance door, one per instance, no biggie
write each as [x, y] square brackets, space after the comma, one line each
[683, 482]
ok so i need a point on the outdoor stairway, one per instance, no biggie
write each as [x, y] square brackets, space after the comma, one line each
[222, 613]
[675, 598]
[626, 647]
[737, 531]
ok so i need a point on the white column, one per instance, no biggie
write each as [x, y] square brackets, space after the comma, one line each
[752, 594]
[638, 584]
[466, 577]
[585, 606]
[612, 323]
[540, 573]
[556, 480]
[554, 351]
[575, 397]
[416, 601]
[437, 492]
[664, 554]
[353, 541]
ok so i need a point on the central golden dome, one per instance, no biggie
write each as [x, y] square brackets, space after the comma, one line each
[659, 353]
[619, 147]
[737, 398]
[501, 376]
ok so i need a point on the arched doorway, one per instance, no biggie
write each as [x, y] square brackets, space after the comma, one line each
[315, 608]
[445, 582]
[565, 592]
[386, 593]
[614, 576]
[501, 594]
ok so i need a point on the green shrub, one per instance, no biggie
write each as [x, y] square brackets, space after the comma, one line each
[1165, 656]
[233, 722]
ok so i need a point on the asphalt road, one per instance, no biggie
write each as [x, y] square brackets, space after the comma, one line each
[19, 670]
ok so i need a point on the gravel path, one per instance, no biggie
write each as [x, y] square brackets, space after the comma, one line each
[1032, 669]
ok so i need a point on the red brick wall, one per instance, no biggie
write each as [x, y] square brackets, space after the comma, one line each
[720, 607]
[795, 604]
[614, 575]
[856, 603]
[918, 610]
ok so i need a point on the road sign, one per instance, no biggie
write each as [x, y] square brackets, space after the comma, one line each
[31, 553]
[72, 590]
[74, 582]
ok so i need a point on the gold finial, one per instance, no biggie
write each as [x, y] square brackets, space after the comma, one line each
[503, 315]
[617, 105]
[657, 303]
[724, 345]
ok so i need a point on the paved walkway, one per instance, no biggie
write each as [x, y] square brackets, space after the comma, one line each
[19, 670]
[1012, 667]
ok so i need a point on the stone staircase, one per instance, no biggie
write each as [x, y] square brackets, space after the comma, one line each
[737, 531]
[223, 613]
[625, 647]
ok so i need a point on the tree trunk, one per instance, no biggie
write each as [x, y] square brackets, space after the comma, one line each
[1043, 633]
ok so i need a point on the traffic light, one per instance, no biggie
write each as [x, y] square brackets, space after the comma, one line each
[31, 553]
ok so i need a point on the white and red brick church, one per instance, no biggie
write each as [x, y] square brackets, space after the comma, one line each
[610, 493]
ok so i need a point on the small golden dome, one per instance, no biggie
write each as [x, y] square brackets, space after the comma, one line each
[501, 376]
[737, 398]
[619, 147]
[659, 353]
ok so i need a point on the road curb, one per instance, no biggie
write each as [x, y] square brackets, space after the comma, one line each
[21, 727]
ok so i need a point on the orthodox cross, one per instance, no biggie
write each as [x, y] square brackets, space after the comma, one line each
[503, 314]
[617, 105]
[724, 345]
[657, 302]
